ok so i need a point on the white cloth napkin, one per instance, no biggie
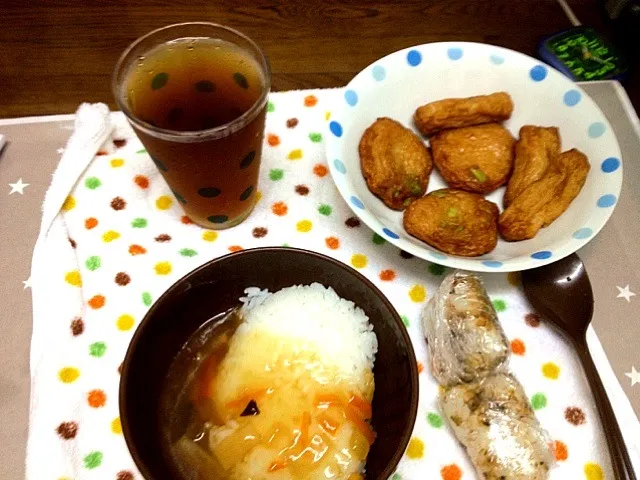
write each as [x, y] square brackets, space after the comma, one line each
[113, 239]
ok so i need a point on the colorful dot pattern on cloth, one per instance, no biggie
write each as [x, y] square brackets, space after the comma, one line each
[415, 450]
[129, 257]
[551, 371]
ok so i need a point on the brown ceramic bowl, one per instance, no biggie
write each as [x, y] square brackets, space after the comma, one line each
[215, 288]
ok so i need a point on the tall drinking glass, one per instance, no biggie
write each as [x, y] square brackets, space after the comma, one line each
[196, 96]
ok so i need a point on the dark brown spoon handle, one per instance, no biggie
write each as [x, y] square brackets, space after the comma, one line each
[622, 466]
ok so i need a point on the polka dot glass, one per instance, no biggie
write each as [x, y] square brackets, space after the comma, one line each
[394, 86]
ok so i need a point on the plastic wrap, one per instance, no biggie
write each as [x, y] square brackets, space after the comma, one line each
[466, 342]
[493, 420]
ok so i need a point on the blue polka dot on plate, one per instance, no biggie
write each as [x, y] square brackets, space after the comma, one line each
[414, 57]
[454, 53]
[492, 263]
[496, 59]
[572, 98]
[351, 97]
[379, 73]
[607, 200]
[340, 166]
[541, 255]
[437, 255]
[538, 73]
[584, 232]
[610, 164]
[597, 129]
[335, 128]
[390, 234]
[356, 202]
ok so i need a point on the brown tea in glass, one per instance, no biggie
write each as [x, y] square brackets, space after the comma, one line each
[196, 96]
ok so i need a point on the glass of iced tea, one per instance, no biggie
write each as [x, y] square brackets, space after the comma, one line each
[196, 95]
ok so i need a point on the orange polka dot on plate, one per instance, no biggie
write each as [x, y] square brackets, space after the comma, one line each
[451, 472]
[69, 204]
[420, 367]
[518, 347]
[73, 278]
[551, 371]
[141, 181]
[186, 220]
[387, 275]
[164, 202]
[560, 451]
[137, 250]
[163, 268]
[90, 223]
[310, 101]
[273, 140]
[417, 293]
[97, 301]
[304, 226]
[116, 426]
[295, 154]
[358, 260]
[235, 248]
[110, 236]
[96, 398]
[320, 170]
[415, 450]
[332, 242]
[280, 209]
[117, 162]
[68, 374]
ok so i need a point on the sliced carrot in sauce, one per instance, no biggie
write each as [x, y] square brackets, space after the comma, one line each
[326, 399]
[352, 415]
[277, 465]
[327, 423]
[361, 405]
[305, 422]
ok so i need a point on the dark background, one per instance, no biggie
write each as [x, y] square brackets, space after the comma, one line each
[55, 54]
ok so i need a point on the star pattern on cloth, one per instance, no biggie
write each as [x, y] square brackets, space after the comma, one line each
[26, 283]
[634, 375]
[625, 293]
[18, 187]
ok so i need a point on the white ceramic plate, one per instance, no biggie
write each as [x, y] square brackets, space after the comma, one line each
[397, 84]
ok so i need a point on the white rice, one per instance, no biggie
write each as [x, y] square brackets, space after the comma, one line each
[317, 319]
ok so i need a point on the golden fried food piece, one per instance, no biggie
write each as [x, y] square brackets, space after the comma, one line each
[463, 112]
[545, 200]
[576, 167]
[395, 163]
[534, 150]
[475, 159]
[455, 222]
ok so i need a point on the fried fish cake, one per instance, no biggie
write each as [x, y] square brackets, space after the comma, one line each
[475, 159]
[455, 222]
[545, 200]
[534, 150]
[395, 163]
[463, 112]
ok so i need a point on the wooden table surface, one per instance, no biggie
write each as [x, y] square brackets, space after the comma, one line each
[55, 54]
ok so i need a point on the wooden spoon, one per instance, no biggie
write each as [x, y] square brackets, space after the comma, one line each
[561, 293]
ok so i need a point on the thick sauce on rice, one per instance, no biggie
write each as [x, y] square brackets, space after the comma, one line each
[282, 390]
